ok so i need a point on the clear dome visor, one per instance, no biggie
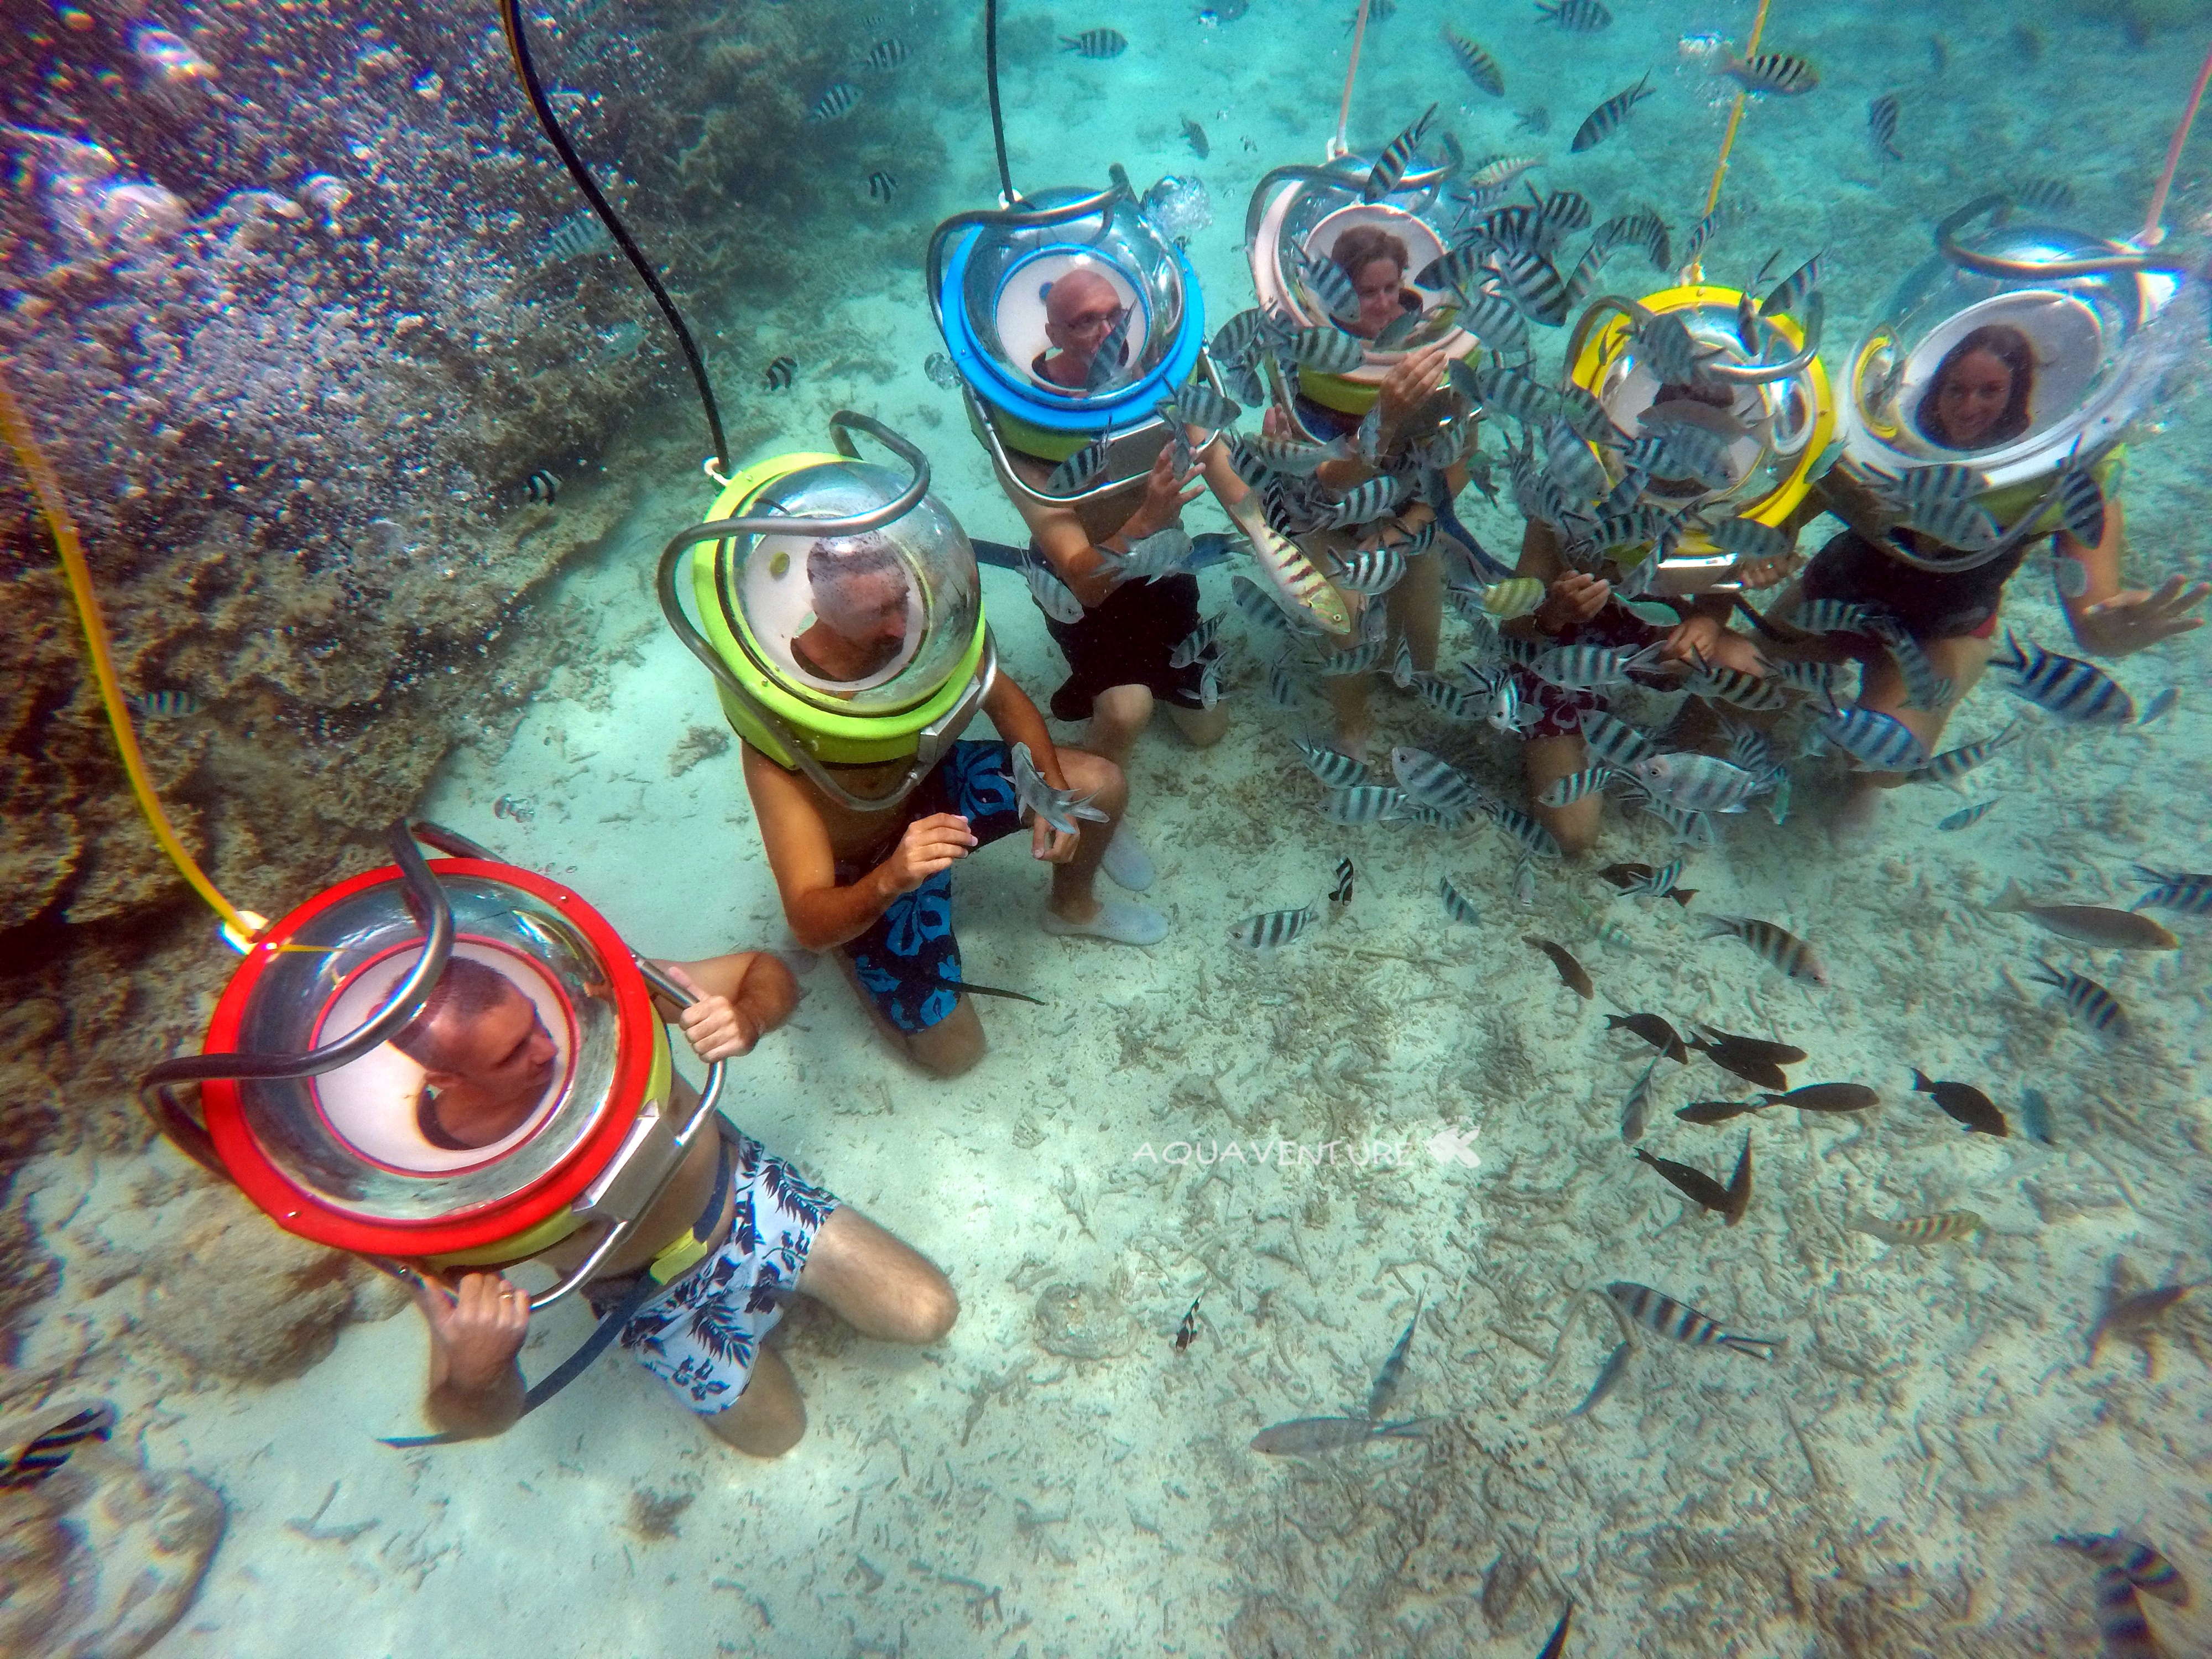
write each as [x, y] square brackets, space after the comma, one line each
[865, 624]
[1123, 293]
[2002, 372]
[1321, 217]
[355, 1137]
[1762, 429]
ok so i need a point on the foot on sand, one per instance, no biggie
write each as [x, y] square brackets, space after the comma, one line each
[1117, 919]
[1127, 864]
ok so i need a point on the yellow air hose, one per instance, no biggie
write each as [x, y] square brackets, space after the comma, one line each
[47, 488]
[1727, 139]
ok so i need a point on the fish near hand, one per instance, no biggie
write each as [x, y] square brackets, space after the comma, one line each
[1059, 808]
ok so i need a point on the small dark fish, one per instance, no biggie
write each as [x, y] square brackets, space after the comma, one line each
[1394, 1368]
[1187, 1333]
[1739, 1186]
[1965, 816]
[1194, 136]
[1095, 43]
[835, 104]
[1571, 973]
[2132, 1313]
[1340, 894]
[36, 1444]
[1829, 1097]
[1609, 117]
[887, 54]
[1679, 1322]
[165, 705]
[2035, 1116]
[1608, 1377]
[1964, 1103]
[1724, 1047]
[1939, 54]
[780, 373]
[1654, 1031]
[1302, 1437]
[1718, 1111]
[1693, 1184]
[1779, 72]
[542, 487]
[882, 187]
[1478, 65]
[1556, 1644]
[2147, 1569]
[1881, 123]
[1575, 16]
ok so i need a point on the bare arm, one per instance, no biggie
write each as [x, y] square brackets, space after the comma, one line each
[822, 914]
[2114, 623]
[476, 1387]
[1019, 721]
[736, 999]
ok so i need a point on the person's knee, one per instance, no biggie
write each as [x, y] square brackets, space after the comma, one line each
[1096, 776]
[926, 1308]
[1123, 709]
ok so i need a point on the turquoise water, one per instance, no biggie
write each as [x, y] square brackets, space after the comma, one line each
[1422, 1114]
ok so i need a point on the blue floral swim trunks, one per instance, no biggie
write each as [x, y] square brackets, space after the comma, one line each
[701, 1334]
[908, 963]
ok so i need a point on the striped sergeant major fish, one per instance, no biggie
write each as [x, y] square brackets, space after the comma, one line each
[1325, 280]
[1374, 571]
[1926, 688]
[2123, 1630]
[1059, 808]
[1347, 873]
[1455, 702]
[1691, 828]
[1565, 791]
[1333, 766]
[1773, 945]
[32, 1446]
[1396, 157]
[1680, 1323]
[1613, 740]
[1197, 404]
[1366, 503]
[1366, 803]
[1643, 881]
[1757, 692]
[2090, 1003]
[1432, 782]
[1935, 1229]
[1954, 763]
[1534, 839]
[1328, 351]
[1590, 667]
[1609, 117]
[1394, 1369]
[1193, 644]
[2175, 890]
[1053, 596]
[1879, 742]
[1457, 905]
[1271, 930]
[2076, 691]
[2147, 1569]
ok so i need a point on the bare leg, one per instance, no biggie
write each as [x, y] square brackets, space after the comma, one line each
[1201, 728]
[1882, 688]
[1546, 760]
[947, 1049]
[877, 1283]
[1072, 899]
[1416, 608]
[1117, 715]
[769, 1416]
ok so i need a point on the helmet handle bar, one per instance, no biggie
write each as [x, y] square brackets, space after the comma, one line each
[1990, 264]
[1015, 218]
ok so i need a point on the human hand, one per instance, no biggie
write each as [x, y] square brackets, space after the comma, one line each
[929, 845]
[1052, 846]
[1164, 497]
[1574, 598]
[1276, 425]
[479, 1328]
[1407, 384]
[1708, 641]
[715, 1027]
[2128, 621]
[1758, 575]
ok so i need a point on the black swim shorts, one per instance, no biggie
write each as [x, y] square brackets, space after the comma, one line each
[1127, 641]
[1931, 605]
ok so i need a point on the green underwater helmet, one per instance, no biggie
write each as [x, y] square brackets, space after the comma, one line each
[813, 692]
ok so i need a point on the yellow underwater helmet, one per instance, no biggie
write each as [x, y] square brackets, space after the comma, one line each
[1777, 430]
[752, 568]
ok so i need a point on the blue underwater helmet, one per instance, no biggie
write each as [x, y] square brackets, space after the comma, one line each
[987, 276]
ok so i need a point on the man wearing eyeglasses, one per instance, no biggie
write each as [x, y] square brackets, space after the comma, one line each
[1118, 649]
